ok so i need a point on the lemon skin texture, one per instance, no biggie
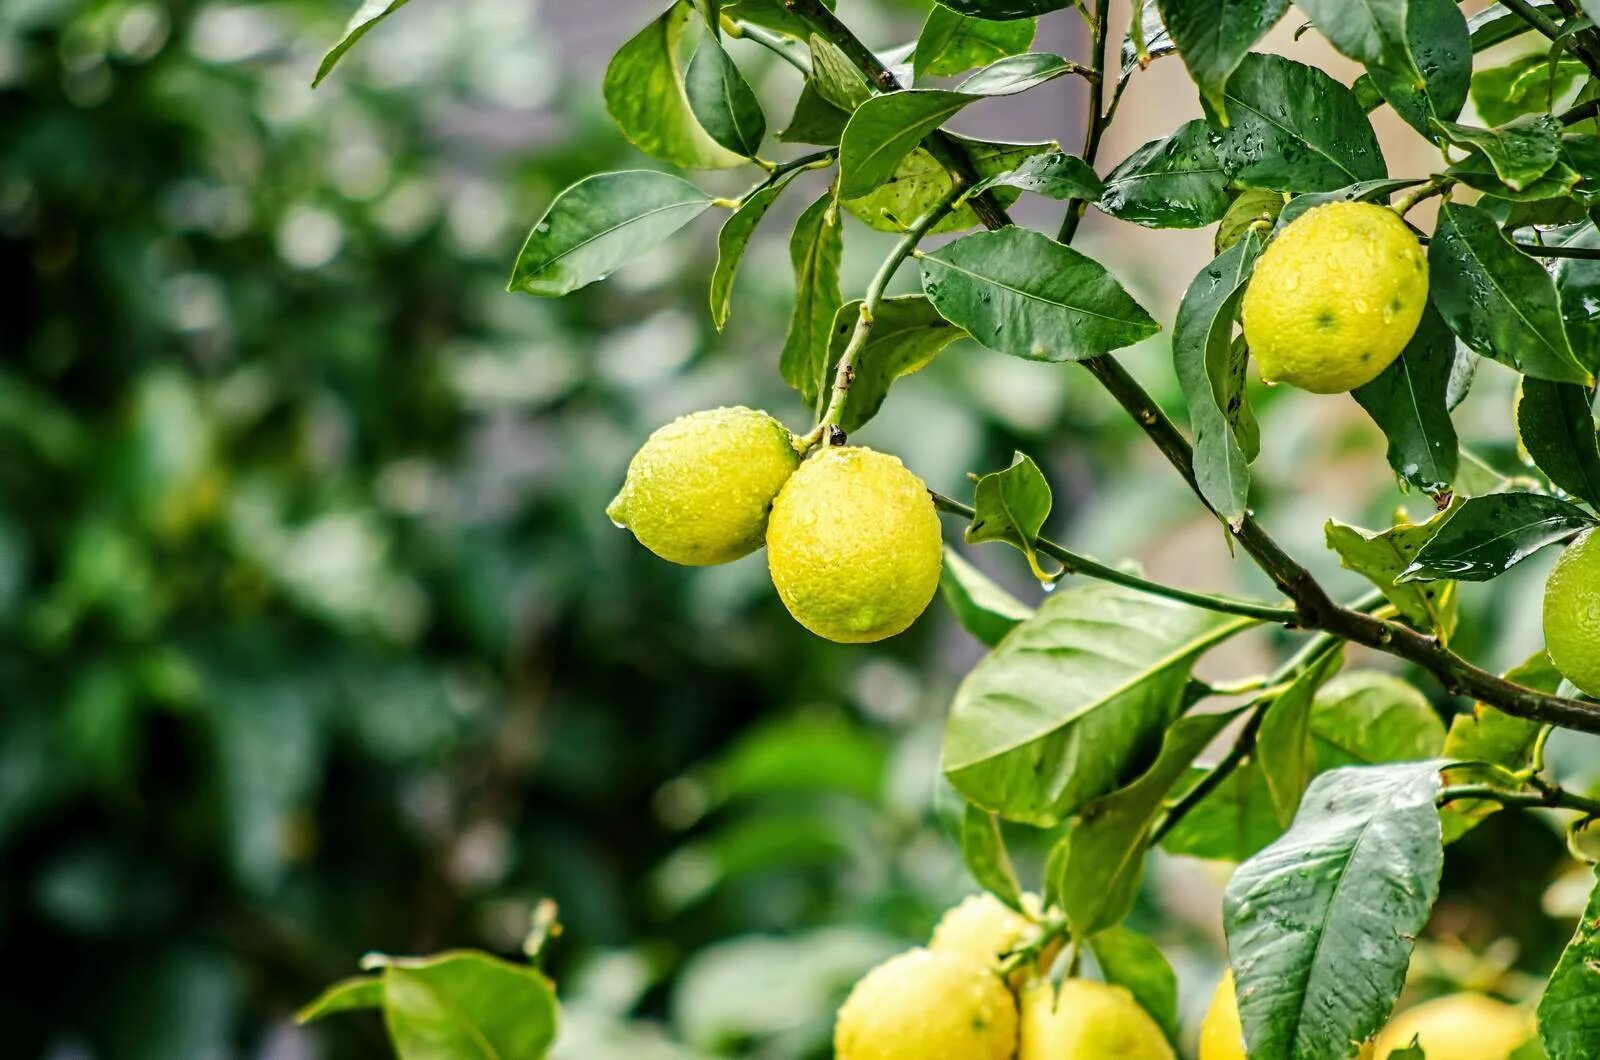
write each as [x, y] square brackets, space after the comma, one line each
[698, 491]
[1087, 1021]
[983, 929]
[1572, 613]
[1459, 1027]
[854, 546]
[923, 1005]
[1335, 297]
[1222, 1032]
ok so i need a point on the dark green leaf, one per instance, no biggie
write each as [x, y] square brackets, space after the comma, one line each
[1131, 961]
[1054, 174]
[645, 95]
[1004, 10]
[951, 43]
[816, 249]
[1496, 24]
[1350, 885]
[722, 100]
[1493, 738]
[1022, 293]
[1569, 1012]
[907, 333]
[1521, 151]
[1555, 422]
[1174, 182]
[983, 608]
[1147, 38]
[983, 848]
[731, 244]
[1372, 32]
[1578, 281]
[1477, 171]
[920, 183]
[1284, 748]
[1487, 536]
[773, 14]
[1439, 41]
[1072, 698]
[600, 223]
[368, 15]
[465, 1004]
[1497, 299]
[347, 995]
[1366, 717]
[1382, 556]
[1409, 402]
[815, 120]
[1011, 506]
[1214, 39]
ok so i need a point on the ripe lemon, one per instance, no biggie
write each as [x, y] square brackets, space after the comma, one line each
[1335, 297]
[1087, 1021]
[981, 928]
[1222, 1032]
[698, 491]
[1459, 1027]
[923, 1005]
[854, 545]
[1572, 613]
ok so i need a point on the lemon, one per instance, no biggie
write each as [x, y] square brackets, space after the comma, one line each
[923, 1005]
[1459, 1027]
[854, 545]
[1222, 1032]
[698, 491]
[981, 928]
[1572, 613]
[1335, 297]
[1087, 1021]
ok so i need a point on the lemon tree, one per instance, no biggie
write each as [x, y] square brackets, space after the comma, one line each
[1086, 726]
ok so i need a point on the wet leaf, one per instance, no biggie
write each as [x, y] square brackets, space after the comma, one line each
[1440, 43]
[1147, 38]
[1486, 735]
[920, 182]
[1487, 536]
[1361, 191]
[1002, 10]
[952, 43]
[907, 333]
[1409, 402]
[1569, 1012]
[645, 96]
[1382, 556]
[1174, 182]
[982, 607]
[1053, 174]
[722, 100]
[1372, 32]
[731, 243]
[1520, 151]
[1367, 717]
[1578, 281]
[367, 16]
[1555, 422]
[1011, 506]
[816, 249]
[1214, 39]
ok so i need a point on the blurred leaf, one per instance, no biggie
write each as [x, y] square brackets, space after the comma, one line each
[645, 96]
[1569, 1012]
[1174, 182]
[983, 848]
[1556, 424]
[1487, 536]
[1214, 40]
[921, 183]
[799, 754]
[722, 100]
[357, 992]
[1285, 750]
[466, 1004]
[952, 43]
[1409, 401]
[1382, 556]
[1232, 823]
[773, 14]
[1147, 38]
[907, 333]
[1524, 86]
[368, 15]
[1131, 961]
[816, 249]
[1494, 738]
[983, 608]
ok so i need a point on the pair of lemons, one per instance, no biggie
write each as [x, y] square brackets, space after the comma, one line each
[852, 536]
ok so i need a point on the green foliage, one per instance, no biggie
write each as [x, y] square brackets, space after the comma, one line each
[1488, 536]
[1569, 1013]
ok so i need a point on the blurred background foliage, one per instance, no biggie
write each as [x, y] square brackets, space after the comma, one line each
[314, 638]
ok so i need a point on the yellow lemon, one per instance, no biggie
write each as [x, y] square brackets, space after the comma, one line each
[1572, 613]
[854, 545]
[1459, 1027]
[981, 928]
[1335, 297]
[1222, 1032]
[698, 491]
[1087, 1021]
[923, 1005]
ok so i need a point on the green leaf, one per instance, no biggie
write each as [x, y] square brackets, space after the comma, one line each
[368, 15]
[1487, 536]
[1372, 32]
[907, 333]
[1053, 174]
[1061, 709]
[723, 101]
[599, 224]
[886, 128]
[1382, 556]
[1131, 961]
[1253, 209]
[646, 97]
[1361, 191]
[1214, 39]
[772, 14]
[983, 848]
[982, 607]
[1147, 39]
[1294, 128]
[921, 183]
[1409, 402]
[1520, 151]
[731, 244]
[1350, 885]
[1174, 182]
[1022, 293]
[465, 1004]
[1367, 717]
[1005, 10]
[1212, 377]
[952, 43]
[835, 78]
[1476, 171]
[1497, 299]
[1527, 85]
[1098, 877]
[1578, 282]
[1555, 422]
[1493, 738]
[1011, 506]
[1569, 1012]
[1439, 41]
[1284, 748]
[347, 995]
[817, 250]
[1232, 823]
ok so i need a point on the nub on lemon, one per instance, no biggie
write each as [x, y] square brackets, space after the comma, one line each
[1572, 613]
[1335, 297]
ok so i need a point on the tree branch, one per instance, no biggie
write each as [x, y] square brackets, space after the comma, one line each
[1095, 122]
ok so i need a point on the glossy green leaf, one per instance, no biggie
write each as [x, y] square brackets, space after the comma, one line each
[920, 182]
[1232, 823]
[907, 333]
[816, 249]
[1147, 38]
[1361, 191]
[465, 1004]
[601, 223]
[983, 608]
[1498, 300]
[772, 14]
[1569, 1012]
[1578, 282]
[1372, 32]
[1070, 699]
[886, 128]
[1487, 536]
[1022, 293]
[1495, 739]
[1478, 172]
[1284, 748]
[1440, 43]
[1382, 556]
[1294, 128]
[1214, 40]
[1131, 961]
[1004, 10]
[347, 995]
[731, 243]
[723, 101]
[1520, 151]
[1409, 402]
[367, 16]
[1367, 717]
[1174, 182]
[952, 43]
[1210, 370]
[1555, 422]
[1350, 885]
[646, 97]
[1253, 209]
[983, 848]
[1053, 174]
[1011, 506]
[835, 78]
